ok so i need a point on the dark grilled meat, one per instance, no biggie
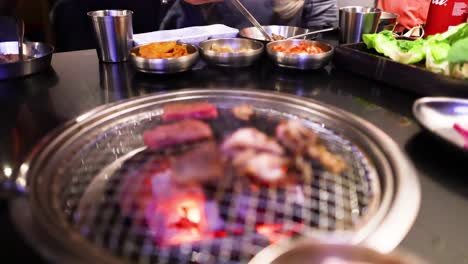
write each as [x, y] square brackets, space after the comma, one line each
[303, 141]
[197, 110]
[296, 137]
[202, 164]
[184, 131]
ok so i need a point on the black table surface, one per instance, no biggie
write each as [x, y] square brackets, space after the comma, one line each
[77, 82]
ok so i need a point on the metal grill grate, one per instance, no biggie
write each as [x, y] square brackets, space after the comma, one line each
[108, 197]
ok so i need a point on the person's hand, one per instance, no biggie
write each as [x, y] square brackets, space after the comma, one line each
[200, 2]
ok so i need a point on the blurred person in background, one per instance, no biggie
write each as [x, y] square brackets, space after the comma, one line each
[412, 12]
[302, 13]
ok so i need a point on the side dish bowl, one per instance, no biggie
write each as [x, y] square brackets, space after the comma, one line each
[300, 60]
[37, 58]
[231, 52]
[283, 31]
[162, 66]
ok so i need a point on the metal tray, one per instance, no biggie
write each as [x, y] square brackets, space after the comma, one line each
[40, 53]
[415, 78]
[74, 177]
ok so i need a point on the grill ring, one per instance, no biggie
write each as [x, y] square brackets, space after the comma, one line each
[385, 228]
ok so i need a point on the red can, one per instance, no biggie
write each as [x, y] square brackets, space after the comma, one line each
[445, 13]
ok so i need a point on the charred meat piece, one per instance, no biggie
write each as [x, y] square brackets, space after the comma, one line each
[265, 167]
[197, 110]
[295, 137]
[301, 140]
[253, 139]
[330, 161]
[243, 112]
[202, 164]
[184, 131]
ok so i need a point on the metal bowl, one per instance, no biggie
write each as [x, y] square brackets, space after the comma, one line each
[285, 31]
[232, 59]
[40, 55]
[162, 66]
[387, 21]
[300, 61]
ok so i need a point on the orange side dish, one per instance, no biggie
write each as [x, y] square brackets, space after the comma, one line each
[162, 50]
[299, 49]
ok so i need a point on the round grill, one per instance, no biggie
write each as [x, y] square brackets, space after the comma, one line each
[101, 188]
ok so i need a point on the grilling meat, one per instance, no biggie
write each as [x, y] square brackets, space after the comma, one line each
[256, 155]
[203, 164]
[197, 110]
[303, 141]
[268, 168]
[185, 131]
[243, 112]
[250, 138]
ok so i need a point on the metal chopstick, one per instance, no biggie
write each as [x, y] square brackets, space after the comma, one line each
[251, 18]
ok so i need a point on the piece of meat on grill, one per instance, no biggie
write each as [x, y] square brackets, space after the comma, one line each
[184, 131]
[202, 164]
[250, 138]
[295, 137]
[243, 112]
[330, 161]
[135, 188]
[303, 141]
[265, 167]
[256, 155]
[197, 110]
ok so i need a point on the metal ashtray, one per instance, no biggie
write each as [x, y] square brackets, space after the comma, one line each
[231, 52]
[313, 252]
[445, 117]
[37, 58]
[300, 61]
[161, 66]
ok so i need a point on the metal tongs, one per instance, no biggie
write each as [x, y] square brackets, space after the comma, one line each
[312, 32]
[251, 18]
[20, 35]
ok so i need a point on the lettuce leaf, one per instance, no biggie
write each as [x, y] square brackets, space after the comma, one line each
[452, 35]
[445, 53]
[404, 51]
[369, 40]
[458, 53]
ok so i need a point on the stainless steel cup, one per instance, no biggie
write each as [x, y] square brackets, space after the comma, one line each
[114, 32]
[357, 20]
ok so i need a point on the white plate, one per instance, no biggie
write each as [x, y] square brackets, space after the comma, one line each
[193, 35]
